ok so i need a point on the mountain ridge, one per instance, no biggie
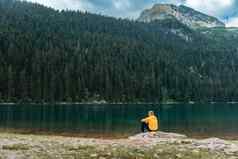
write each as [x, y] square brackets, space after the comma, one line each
[184, 14]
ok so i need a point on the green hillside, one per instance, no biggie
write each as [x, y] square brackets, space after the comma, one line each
[48, 55]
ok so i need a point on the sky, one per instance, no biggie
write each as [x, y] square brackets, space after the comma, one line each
[225, 10]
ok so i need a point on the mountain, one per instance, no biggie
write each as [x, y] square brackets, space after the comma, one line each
[186, 15]
[53, 56]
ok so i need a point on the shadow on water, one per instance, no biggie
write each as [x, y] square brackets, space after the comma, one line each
[120, 120]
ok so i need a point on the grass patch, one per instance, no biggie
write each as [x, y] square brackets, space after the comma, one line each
[81, 148]
[16, 147]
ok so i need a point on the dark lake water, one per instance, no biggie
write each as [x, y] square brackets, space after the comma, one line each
[117, 120]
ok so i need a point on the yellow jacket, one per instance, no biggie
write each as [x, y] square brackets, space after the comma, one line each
[152, 122]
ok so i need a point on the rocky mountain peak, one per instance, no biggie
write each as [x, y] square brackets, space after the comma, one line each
[184, 14]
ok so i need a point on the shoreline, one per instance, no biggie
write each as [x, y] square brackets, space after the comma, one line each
[95, 103]
[142, 146]
[88, 135]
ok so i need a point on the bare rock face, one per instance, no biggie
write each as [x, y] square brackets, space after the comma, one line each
[149, 139]
[158, 135]
[185, 15]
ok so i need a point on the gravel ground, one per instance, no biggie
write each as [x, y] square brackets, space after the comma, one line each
[142, 146]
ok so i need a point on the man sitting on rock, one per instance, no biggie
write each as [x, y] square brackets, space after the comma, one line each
[149, 123]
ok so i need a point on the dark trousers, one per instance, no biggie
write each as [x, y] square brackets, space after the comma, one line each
[144, 127]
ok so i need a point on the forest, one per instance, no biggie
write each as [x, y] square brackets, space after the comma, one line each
[48, 55]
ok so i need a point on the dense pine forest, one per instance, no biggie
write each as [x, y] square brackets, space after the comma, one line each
[67, 56]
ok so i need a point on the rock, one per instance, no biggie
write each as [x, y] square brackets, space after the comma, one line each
[158, 136]
[179, 155]
[109, 154]
[196, 152]
[156, 156]
[231, 149]
[212, 144]
[186, 141]
[94, 155]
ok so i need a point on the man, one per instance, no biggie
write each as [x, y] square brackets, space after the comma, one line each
[149, 123]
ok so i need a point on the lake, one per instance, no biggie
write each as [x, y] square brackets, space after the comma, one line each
[121, 120]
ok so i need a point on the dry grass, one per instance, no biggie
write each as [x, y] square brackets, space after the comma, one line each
[16, 147]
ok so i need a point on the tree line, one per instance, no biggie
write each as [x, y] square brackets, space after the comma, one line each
[54, 56]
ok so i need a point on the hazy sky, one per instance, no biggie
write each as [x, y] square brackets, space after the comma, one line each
[221, 9]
